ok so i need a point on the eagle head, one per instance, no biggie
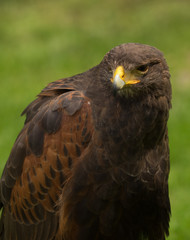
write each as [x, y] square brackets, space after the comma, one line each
[137, 69]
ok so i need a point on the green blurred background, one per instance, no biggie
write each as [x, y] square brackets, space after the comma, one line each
[42, 41]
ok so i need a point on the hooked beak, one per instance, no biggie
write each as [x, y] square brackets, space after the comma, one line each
[122, 78]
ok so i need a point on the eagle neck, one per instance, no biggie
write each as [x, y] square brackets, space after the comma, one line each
[129, 128]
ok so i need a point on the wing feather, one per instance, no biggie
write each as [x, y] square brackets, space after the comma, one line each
[55, 135]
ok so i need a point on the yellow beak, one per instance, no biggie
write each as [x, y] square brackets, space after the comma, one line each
[121, 78]
[132, 81]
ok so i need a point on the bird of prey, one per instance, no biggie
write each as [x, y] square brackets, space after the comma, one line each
[92, 160]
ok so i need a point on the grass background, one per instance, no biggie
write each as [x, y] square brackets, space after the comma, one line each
[42, 41]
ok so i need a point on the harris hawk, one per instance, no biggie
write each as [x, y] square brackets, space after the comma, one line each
[92, 160]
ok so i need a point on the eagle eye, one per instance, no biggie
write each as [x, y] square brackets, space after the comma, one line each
[142, 69]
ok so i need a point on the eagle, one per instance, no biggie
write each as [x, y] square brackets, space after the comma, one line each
[92, 160]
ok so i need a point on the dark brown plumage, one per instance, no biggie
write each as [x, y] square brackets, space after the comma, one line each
[92, 160]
